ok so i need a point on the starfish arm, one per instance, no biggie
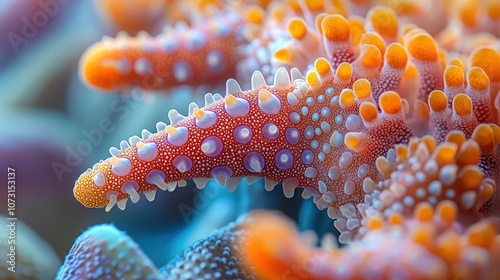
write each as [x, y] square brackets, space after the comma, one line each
[205, 53]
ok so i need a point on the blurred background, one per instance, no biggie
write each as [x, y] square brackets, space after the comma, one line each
[50, 133]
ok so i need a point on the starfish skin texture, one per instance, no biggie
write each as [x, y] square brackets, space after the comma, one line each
[396, 137]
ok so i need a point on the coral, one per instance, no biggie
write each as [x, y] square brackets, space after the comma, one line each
[103, 252]
[214, 257]
[374, 120]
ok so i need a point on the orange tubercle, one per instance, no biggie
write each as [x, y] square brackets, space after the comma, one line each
[438, 101]
[335, 28]
[396, 56]
[454, 76]
[423, 47]
[384, 21]
[390, 102]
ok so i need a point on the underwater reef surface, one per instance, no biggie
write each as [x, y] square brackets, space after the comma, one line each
[383, 115]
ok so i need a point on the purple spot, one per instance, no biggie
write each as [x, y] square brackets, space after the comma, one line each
[309, 132]
[284, 159]
[292, 135]
[212, 146]
[243, 134]
[270, 131]
[307, 157]
[182, 163]
[254, 162]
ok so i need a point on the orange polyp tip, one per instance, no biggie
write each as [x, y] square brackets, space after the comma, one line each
[396, 56]
[456, 62]
[171, 130]
[437, 101]
[401, 152]
[255, 14]
[383, 20]
[265, 95]
[423, 47]
[355, 140]
[424, 234]
[383, 166]
[468, 14]
[396, 218]
[370, 56]
[314, 5]
[335, 28]
[283, 54]
[447, 247]
[469, 153]
[494, 10]
[470, 177]
[447, 211]
[340, 5]
[374, 223]
[421, 109]
[442, 57]
[414, 142]
[373, 38]
[496, 132]
[312, 78]
[346, 98]
[322, 66]
[487, 190]
[430, 142]
[454, 76]
[297, 28]
[294, 4]
[457, 137]
[368, 111]
[362, 88]
[319, 21]
[477, 78]
[344, 71]
[462, 104]
[198, 113]
[390, 102]
[482, 234]
[230, 100]
[445, 154]
[278, 13]
[483, 135]
[423, 212]
[407, 27]
[411, 72]
[357, 29]
[489, 60]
